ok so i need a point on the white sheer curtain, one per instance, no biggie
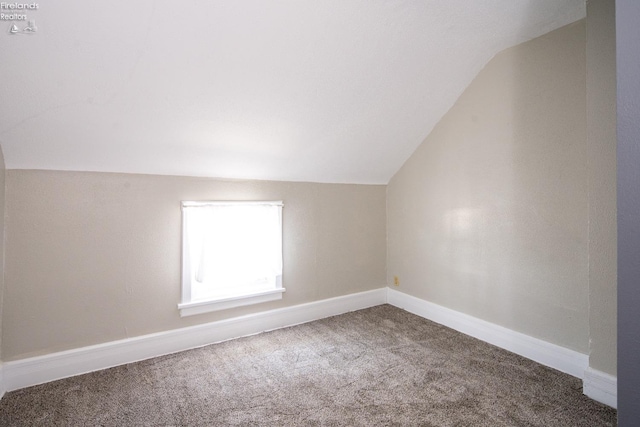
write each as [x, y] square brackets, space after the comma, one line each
[233, 248]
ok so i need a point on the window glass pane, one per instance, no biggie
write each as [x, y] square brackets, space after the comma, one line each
[233, 248]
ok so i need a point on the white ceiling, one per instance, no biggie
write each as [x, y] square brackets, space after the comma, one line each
[315, 90]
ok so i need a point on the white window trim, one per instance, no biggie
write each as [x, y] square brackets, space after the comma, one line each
[190, 308]
[199, 307]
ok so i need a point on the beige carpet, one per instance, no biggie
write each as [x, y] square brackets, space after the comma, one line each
[376, 367]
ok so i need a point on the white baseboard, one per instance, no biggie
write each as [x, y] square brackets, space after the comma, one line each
[2, 388]
[37, 370]
[554, 356]
[601, 387]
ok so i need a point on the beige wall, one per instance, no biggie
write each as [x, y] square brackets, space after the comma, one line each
[489, 216]
[601, 140]
[95, 257]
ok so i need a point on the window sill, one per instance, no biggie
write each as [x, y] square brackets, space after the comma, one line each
[199, 307]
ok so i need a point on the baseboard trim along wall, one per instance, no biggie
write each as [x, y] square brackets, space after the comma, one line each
[2, 388]
[601, 387]
[596, 385]
[22, 373]
[37, 370]
[554, 356]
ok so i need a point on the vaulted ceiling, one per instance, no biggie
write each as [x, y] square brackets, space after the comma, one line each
[300, 90]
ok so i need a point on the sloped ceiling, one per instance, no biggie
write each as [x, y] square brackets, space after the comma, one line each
[303, 90]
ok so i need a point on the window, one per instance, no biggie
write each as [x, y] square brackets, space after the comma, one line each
[231, 255]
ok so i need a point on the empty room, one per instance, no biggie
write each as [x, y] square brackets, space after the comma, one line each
[309, 213]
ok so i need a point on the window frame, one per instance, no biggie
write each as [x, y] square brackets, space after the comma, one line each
[188, 307]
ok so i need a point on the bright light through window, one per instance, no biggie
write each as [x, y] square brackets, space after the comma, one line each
[232, 251]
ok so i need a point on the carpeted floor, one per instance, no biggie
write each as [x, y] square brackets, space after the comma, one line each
[376, 367]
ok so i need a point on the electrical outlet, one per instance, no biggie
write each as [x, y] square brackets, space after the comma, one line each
[396, 281]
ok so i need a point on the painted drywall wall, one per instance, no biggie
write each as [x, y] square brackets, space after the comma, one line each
[489, 216]
[601, 148]
[95, 257]
[628, 111]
